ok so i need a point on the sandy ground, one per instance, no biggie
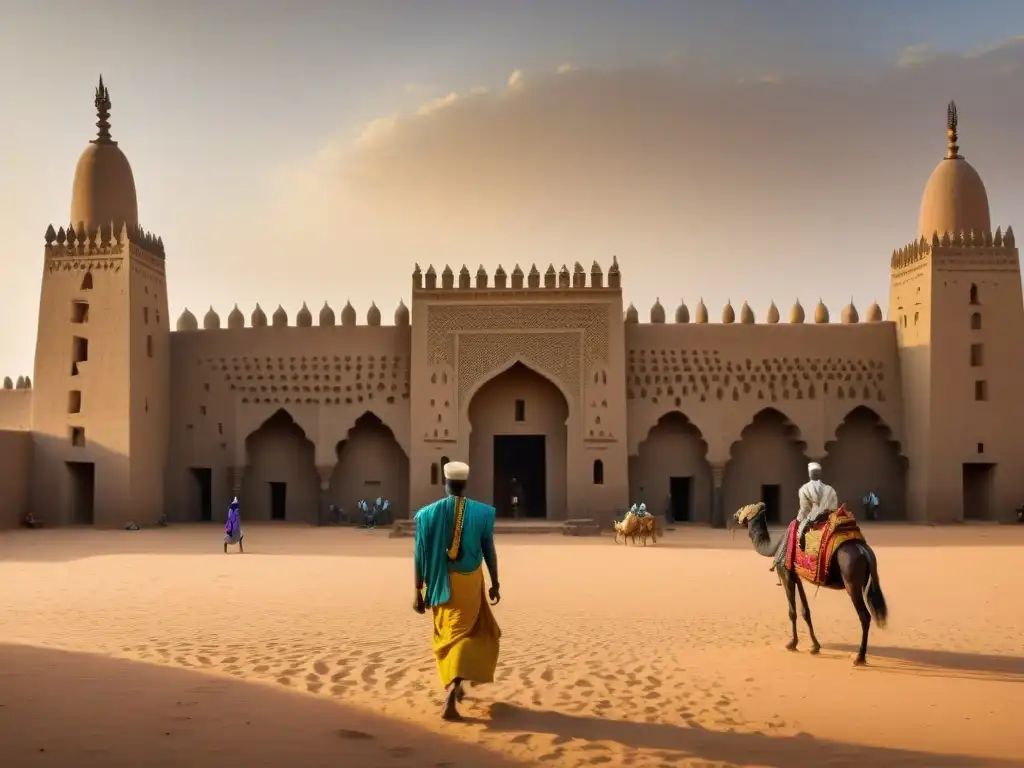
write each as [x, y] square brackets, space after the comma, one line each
[154, 648]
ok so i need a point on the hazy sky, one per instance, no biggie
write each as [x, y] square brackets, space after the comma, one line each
[303, 151]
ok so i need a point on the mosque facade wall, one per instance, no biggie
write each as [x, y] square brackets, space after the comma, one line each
[323, 408]
[124, 420]
[748, 405]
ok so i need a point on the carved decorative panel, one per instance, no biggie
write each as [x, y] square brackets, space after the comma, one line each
[444, 322]
[558, 354]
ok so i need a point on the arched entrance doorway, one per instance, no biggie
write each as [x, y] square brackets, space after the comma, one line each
[280, 481]
[670, 472]
[371, 464]
[517, 444]
[864, 458]
[767, 464]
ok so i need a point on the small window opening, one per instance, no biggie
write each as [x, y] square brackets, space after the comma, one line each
[79, 353]
[598, 472]
[976, 321]
[981, 447]
[75, 401]
[981, 391]
[974, 294]
[149, 346]
[145, 315]
[202, 410]
[78, 437]
[520, 410]
[444, 462]
[977, 355]
[220, 428]
[87, 282]
[79, 312]
[433, 474]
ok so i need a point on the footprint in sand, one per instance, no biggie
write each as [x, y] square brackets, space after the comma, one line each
[547, 675]
[337, 677]
[260, 669]
[356, 735]
[284, 680]
[314, 687]
[394, 679]
[523, 738]
[321, 668]
[369, 674]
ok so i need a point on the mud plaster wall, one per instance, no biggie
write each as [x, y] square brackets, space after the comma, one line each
[16, 409]
[227, 383]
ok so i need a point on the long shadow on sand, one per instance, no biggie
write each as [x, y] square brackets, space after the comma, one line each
[678, 742]
[1007, 669]
[59, 708]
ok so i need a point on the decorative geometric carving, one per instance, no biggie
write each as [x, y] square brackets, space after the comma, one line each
[444, 322]
[557, 354]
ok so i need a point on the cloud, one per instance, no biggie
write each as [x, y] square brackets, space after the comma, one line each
[767, 189]
[913, 55]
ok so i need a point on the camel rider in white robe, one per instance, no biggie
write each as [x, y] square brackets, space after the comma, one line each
[817, 501]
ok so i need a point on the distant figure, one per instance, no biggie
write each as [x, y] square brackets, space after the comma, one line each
[29, 521]
[454, 536]
[516, 499]
[233, 528]
[871, 505]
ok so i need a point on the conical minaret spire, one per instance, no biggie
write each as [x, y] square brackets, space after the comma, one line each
[102, 102]
[952, 121]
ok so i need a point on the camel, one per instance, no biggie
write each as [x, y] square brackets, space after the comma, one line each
[853, 567]
[627, 528]
[634, 524]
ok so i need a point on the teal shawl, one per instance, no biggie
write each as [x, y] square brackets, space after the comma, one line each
[435, 526]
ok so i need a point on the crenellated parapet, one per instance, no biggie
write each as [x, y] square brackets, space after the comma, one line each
[23, 382]
[109, 240]
[279, 319]
[982, 245]
[518, 280]
[747, 316]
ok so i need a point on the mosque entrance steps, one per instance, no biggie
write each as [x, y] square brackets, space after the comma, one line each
[574, 527]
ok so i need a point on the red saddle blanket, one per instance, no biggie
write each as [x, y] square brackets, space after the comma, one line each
[822, 539]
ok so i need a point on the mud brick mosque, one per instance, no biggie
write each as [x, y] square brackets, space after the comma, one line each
[543, 379]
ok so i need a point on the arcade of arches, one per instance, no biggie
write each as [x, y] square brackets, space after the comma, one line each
[281, 481]
[517, 444]
[518, 448]
[672, 476]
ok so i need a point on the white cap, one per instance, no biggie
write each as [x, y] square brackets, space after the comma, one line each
[456, 470]
[814, 467]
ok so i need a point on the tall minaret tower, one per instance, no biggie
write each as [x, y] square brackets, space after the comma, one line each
[100, 406]
[956, 299]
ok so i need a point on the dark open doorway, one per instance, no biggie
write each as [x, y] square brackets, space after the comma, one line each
[520, 465]
[771, 497]
[201, 505]
[680, 492]
[977, 481]
[82, 475]
[278, 500]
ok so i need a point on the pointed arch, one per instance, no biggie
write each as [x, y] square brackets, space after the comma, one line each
[864, 456]
[538, 475]
[598, 473]
[976, 321]
[670, 472]
[370, 464]
[280, 479]
[767, 463]
[87, 281]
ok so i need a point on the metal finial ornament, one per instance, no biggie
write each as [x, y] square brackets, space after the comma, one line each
[952, 121]
[102, 102]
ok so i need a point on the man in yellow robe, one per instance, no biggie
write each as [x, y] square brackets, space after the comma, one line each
[454, 538]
